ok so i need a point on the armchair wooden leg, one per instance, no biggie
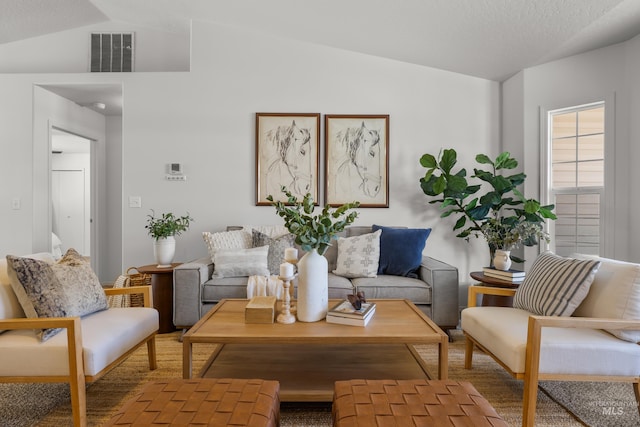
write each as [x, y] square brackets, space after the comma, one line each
[468, 353]
[636, 390]
[531, 369]
[76, 374]
[151, 350]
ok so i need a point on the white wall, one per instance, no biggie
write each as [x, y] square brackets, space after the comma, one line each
[594, 76]
[632, 77]
[70, 51]
[205, 120]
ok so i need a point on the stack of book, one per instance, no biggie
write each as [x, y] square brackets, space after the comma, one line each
[516, 276]
[345, 314]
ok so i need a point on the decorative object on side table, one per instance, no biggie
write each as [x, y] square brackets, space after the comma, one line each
[314, 234]
[510, 275]
[502, 215]
[163, 229]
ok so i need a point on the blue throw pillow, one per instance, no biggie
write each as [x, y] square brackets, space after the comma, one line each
[401, 250]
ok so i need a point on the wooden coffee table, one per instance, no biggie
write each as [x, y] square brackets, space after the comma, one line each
[307, 358]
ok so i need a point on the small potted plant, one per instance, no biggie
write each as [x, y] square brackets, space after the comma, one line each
[163, 229]
[314, 234]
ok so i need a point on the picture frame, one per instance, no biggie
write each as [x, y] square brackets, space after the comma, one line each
[287, 154]
[357, 160]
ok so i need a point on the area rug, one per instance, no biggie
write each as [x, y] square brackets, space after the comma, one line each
[559, 403]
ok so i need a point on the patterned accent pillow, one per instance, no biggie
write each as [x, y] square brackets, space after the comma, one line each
[358, 256]
[276, 248]
[67, 288]
[555, 286]
[241, 262]
[237, 239]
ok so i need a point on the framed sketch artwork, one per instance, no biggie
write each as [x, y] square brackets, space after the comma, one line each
[287, 154]
[357, 160]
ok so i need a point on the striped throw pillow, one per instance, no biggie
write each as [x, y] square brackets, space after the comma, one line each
[555, 286]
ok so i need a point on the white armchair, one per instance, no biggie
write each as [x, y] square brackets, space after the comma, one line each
[581, 347]
[86, 349]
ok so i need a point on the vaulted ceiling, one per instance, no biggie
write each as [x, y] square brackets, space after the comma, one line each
[491, 39]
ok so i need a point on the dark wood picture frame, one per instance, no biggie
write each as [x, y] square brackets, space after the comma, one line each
[287, 153]
[357, 159]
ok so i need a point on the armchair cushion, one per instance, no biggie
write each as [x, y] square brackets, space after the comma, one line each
[65, 289]
[614, 294]
[106, 335]
[503, 332]
[555, 286]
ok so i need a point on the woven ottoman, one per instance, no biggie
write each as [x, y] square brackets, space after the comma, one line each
[203, 402]
[405, 403]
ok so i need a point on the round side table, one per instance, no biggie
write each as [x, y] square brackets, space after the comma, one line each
[162, 289]
[494, 300]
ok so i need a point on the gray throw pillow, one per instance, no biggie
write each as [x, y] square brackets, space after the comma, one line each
[277, 246]
[67, 288]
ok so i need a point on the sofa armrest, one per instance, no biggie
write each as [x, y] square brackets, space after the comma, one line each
[443, 279]
[188, 279]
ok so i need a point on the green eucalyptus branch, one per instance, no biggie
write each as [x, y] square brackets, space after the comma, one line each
[313, 231]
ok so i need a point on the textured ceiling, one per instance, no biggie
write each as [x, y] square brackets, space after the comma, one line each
[492, 39]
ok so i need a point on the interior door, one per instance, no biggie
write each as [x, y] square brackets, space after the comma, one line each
[69, 209]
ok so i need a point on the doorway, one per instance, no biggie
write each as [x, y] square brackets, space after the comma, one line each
[70, 192]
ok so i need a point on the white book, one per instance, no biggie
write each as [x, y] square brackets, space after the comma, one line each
[350, 320]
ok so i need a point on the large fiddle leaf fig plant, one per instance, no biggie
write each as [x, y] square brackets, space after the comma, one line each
[496, 211]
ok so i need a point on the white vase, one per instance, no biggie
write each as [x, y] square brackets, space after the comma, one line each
[164, 249]
[502, 260]
[313, 287]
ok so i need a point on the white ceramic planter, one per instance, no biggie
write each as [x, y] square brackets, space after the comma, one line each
[164, 249]
[502, 260]
[313, 287]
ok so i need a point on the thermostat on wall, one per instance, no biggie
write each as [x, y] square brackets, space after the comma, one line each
[175, 168]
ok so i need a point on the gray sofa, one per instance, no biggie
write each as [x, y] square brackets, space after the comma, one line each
[435, 292]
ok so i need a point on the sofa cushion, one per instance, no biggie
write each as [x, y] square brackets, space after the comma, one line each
[106, 335]
[401, 250]
[10, 307]
[503, 331]
[277, 245]
[236, 239]
[385, 286]
[614, 294]
[339, 287]
[241, 262]
[358, 256]
[65, 289]
[218, 288]
[555, 286]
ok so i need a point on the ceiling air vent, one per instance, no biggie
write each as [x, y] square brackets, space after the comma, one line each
[111, 52]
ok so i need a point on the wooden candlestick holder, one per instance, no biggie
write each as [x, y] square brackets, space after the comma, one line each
[285, 316]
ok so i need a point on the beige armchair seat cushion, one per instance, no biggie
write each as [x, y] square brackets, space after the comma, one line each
[106, 336]
[503, 332]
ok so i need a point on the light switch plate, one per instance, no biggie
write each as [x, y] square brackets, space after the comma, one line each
[135, 202]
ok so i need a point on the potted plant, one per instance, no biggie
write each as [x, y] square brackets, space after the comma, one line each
[314, 234]
[163, 229]
[501, 215]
